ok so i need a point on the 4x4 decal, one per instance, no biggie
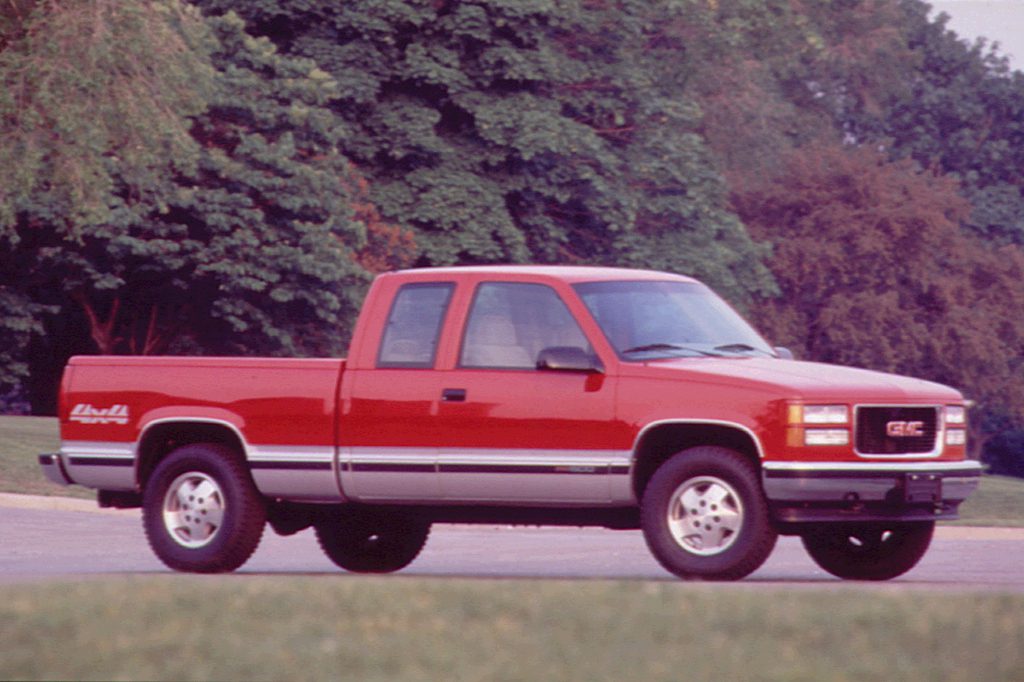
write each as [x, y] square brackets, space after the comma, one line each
[85, 413]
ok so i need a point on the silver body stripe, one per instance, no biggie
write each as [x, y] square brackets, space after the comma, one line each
[322, 473]
[487, 475]
[88, 448]
[288, 453]
[100, 465]
[895, 467]
[496, 456]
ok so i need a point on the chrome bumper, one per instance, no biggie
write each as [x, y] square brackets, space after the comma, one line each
[804, 492]
[53, 467]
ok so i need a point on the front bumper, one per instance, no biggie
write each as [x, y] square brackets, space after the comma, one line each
[870, 491]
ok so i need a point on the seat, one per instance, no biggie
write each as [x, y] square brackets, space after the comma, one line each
[491, 342]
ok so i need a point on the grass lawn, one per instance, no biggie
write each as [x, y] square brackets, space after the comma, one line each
[999, 501]
[22, 439]
[258, 628]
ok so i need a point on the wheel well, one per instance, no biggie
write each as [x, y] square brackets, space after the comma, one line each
[162, 439]
[661, 442]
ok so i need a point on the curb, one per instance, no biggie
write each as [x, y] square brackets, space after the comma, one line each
[55, 503]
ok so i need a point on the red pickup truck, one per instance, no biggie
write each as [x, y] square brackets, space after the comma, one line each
[524, 395]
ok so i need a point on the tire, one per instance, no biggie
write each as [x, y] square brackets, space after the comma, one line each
[705, 517]
[201, 510]
[869, 551]
[370, 542]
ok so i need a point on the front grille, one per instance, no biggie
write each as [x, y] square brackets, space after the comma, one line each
[878, 429]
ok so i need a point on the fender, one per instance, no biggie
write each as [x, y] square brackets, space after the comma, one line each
[296, 472]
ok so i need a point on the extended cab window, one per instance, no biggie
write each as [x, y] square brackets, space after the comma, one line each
[511, 323]
[414, 325]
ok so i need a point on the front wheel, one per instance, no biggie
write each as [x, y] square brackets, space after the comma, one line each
[869, 551]
[201, 510]
[705, 517]
[372, 542]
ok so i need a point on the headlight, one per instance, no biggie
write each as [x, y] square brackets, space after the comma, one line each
[819, 414]
[956, 414]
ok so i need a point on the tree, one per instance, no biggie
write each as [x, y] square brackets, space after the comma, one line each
[76, 106]
[964, 115]
[876, 272]
[507, 131]
[90, 91]
[959, 111]
[243, 241]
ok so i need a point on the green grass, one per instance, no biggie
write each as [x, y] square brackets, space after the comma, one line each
[999, 500]
[22, 439]
[435, 629]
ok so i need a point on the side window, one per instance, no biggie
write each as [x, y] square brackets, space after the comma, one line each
[510, 324]
[414, 326]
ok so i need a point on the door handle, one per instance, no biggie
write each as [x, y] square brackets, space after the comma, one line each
[453, 395]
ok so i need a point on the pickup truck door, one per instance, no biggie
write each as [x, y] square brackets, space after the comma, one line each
[388, 430]
[510, 432]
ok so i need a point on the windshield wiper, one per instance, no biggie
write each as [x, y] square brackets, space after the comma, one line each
[668, 346]
[739, 348]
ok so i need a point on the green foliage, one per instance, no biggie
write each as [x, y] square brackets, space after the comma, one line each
[875, 272]
[525, 131]
[223, 226]
[961, 112]
[93, 93]
[240, 252]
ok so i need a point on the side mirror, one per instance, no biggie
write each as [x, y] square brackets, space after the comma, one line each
[784, 353]
[568, 359]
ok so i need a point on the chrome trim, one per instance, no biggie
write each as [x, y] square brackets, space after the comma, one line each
[295, 482]
[698, 422]
[292, 453]
[940, 432]
[299, 472]
[486, 474]
[96, 448]
[194, 420]
[843, 485]
[967, 465]
[100, 464]
[442, 457]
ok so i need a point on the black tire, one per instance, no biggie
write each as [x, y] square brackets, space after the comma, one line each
[869, 551]
[723, 531]
[371, 542]
[220, 527]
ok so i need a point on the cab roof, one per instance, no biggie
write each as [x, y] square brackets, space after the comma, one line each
[565, 273]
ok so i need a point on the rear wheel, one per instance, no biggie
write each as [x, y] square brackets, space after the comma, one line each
[372, 542]
[705, 517]
[201, 510]
[869, 551]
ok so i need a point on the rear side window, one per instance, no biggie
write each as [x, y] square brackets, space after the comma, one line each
[414, 326]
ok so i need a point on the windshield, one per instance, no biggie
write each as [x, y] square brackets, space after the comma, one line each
[647, 320]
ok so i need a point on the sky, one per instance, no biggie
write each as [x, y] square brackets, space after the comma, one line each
[997, 20]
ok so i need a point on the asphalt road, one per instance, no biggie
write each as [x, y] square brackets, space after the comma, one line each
[69, 542]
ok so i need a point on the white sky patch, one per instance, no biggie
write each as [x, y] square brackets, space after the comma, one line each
[999, 21]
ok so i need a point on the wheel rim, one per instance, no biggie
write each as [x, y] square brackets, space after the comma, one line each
[193, 509]
[705, 515]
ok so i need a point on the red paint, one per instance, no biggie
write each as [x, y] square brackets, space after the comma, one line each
[306, 402]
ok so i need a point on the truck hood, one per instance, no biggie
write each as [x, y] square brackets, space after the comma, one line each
[799, 380]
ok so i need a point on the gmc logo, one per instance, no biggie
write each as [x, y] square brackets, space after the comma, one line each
[904, 429]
